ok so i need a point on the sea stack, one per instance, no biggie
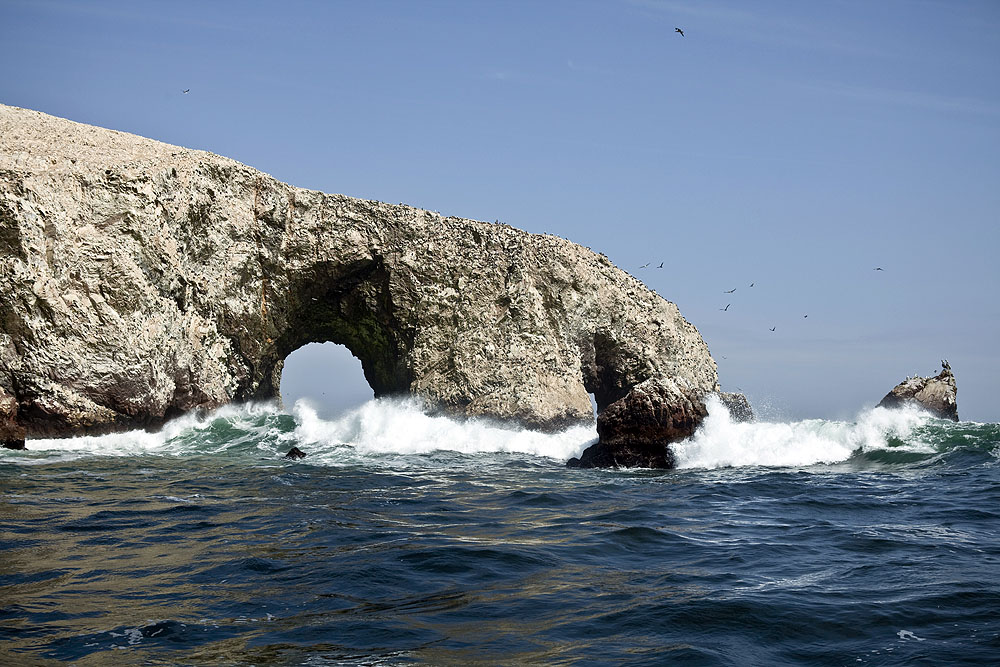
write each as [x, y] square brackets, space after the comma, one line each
[937, 395]
[636, 430]
[142, 280]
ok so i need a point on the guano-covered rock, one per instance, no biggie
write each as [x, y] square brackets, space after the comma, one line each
[937, 395]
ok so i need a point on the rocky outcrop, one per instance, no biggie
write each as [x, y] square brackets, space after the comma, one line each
[636, 431]
[937, 395]
[11, 432]
[141, 280]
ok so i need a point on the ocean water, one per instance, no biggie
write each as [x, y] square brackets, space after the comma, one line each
[404, 538]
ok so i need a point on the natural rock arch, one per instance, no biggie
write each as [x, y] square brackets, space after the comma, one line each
[141, 280]
[327, 376]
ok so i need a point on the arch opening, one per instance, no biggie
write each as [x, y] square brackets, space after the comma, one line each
[328, 376]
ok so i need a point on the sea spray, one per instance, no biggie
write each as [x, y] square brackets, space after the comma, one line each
[398, 431]
[401, 426]
[719, 442]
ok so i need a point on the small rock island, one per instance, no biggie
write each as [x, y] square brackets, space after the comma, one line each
[142, 280]
[937, 395]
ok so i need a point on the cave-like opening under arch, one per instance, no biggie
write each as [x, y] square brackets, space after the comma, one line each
[327, 375]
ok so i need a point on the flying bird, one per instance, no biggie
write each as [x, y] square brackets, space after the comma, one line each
[660, 266]
[644, 265]
[730, 291]
[680, 31]
[186, 91]
[805, 316]
[726, 308]
[878, 268]
[773, 328]
[751, 284]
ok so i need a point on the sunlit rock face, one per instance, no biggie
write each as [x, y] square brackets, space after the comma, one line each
[141, 280]
[937, 395]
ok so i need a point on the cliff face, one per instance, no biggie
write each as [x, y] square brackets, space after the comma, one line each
[141, 280]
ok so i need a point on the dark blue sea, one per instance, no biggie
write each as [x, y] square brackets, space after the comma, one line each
[404, 538]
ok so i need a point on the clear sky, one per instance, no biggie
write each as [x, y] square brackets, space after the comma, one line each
[793, 145]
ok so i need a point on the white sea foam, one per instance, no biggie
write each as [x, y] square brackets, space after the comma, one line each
[400, 426]
[719, 442]
[166, 441]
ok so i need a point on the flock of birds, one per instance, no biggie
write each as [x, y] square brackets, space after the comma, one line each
[731, 291]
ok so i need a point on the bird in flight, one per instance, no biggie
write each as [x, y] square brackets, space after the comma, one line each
[680, 31]
[186, 91]
[805, 316]
[660, 266]
[773, 328]
[751, 284]
[730, 291]
[726, 308]
[644, 265]
[878, 268]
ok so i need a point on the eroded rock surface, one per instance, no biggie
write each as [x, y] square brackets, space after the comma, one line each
[937, 395]
[141, 280]
[11, 432]
[635, 431]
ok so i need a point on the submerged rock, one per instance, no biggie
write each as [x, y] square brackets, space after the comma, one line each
[937, 395]
[142, 280]
[295, 453]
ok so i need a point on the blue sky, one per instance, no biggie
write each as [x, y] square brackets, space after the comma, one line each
[795, 145]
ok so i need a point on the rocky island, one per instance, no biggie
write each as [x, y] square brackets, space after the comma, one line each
[937, 395]
[141, 280]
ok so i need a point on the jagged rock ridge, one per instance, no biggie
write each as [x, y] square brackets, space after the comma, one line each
[141, 280]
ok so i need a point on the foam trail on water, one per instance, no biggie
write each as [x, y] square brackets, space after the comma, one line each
[400, 426]
[719, 442]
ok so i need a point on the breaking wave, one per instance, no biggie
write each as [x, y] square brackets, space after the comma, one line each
[395, 431]
[720, 442]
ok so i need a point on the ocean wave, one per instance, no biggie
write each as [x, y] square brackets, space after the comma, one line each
[393, 431]
[401, 426]
[720, 442]
[195, 432]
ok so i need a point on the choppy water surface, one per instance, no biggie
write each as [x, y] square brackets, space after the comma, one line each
[404, 538]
